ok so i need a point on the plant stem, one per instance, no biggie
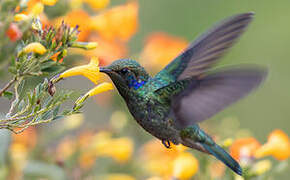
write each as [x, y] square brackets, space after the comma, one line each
[8, 85]
[14, 103]
[30, 115]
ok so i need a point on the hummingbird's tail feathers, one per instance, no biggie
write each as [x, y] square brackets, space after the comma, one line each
[223, 156]
[196, 138]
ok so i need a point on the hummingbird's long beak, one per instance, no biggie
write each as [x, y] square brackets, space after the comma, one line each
[105, 70]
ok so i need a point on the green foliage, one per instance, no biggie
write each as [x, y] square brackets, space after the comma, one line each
[36, 107]
[36, 54]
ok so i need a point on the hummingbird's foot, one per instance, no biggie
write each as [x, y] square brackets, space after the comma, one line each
[166, 143]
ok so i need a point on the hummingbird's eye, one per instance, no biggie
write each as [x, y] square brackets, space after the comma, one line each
[124, 70]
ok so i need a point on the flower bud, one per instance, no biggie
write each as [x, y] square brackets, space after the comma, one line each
[34, 47]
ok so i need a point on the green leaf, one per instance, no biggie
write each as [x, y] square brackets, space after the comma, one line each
[47, 64]
[56, 110]
[21, 105]
[36, 108]
[21, 86]
[57, 117]
[53, 69]
[38, 90]
[12, 69]
[46, 115]
[8, 95]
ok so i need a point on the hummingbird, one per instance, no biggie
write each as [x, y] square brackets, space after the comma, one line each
[189, 90]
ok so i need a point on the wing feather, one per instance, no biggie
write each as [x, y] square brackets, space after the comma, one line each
[215, 92]
[205, 51]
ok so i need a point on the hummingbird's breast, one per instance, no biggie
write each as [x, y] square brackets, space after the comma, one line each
[153, 116]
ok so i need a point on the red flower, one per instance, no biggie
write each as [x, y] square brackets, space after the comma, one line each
[14, 32]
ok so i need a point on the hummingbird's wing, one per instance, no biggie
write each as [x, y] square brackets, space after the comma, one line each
[205, 51]
[215, 91]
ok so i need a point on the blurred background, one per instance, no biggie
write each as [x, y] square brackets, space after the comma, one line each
[105, 141]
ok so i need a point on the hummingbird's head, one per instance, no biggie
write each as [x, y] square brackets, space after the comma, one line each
[126, 74]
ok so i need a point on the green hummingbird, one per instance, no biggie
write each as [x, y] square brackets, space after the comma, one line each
[172, 103]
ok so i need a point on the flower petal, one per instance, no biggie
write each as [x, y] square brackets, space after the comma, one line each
[35, 47]
[90, 71]
[105, 86]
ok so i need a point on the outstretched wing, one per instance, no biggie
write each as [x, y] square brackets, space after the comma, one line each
[214, 92]
[205, 51]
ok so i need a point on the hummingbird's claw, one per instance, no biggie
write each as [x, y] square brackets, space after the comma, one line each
[166, 143]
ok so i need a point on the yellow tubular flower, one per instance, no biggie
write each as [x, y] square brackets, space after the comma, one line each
[34, 47]
[18, 157]
[20, 17]
[92, 45]
[90, 71]
[85, 45]
[119, 149]
[261, 167]
[227, 142]
[154, 178]
[76, 4]
[277, 145]
[97, 90]
[105, 86]
[97, 4]
[49, 2]
[185, 166]
[118, 176]
[37, 9]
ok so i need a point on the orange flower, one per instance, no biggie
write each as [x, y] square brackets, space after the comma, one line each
[19, 149]
[102, 144]
[14, 32]
[87, 159]
[120, 22]
[161, 48]
[158, 160]
[217, 170]
[54, 57]
[278, 146]
[65, 149]
[84, 138]
[88, 156]
[80, 18]
[27, 138]
[244, 148]
[44, 20]
[185, 166]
